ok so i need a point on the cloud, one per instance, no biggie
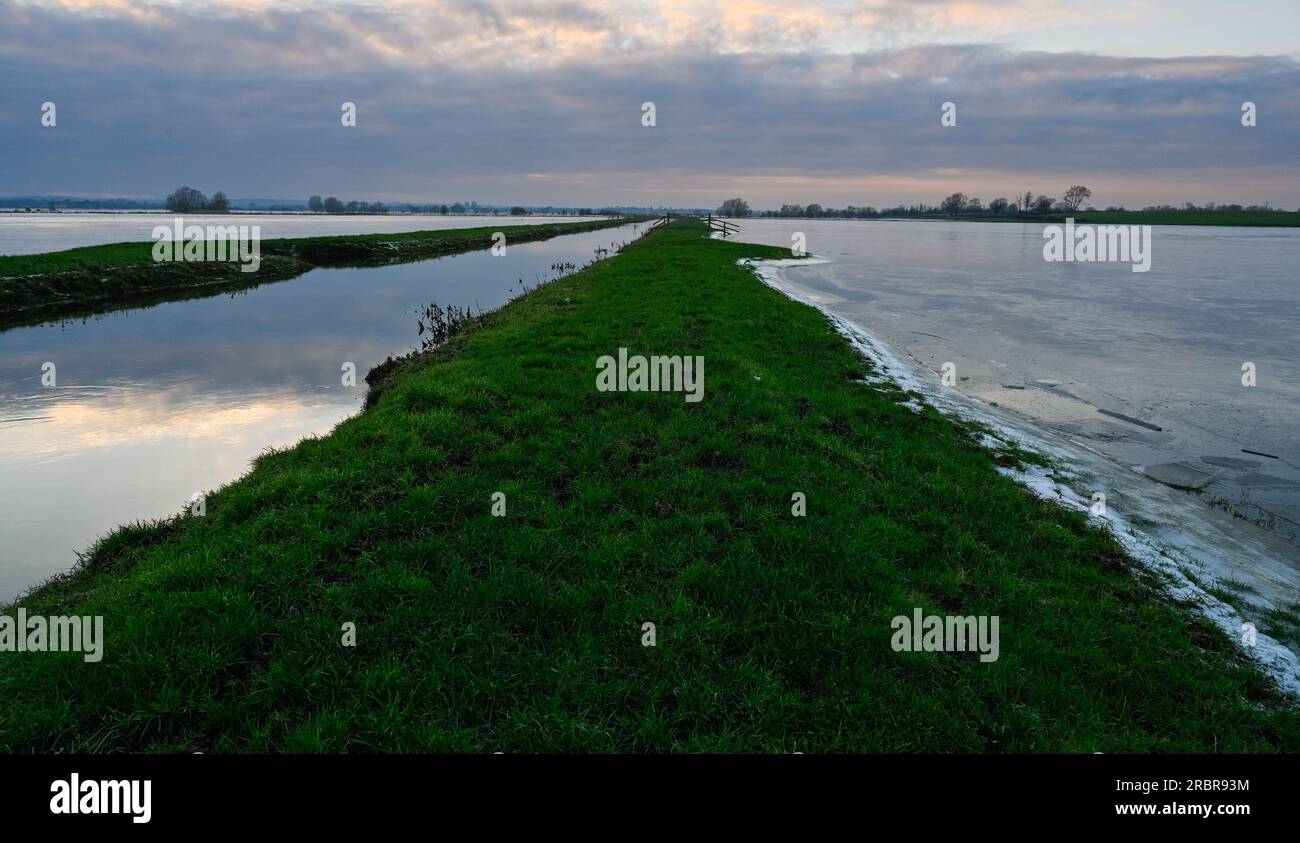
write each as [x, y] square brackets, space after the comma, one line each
[540, 102]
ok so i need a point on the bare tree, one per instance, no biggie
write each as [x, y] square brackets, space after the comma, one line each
[734, 208]
[954, 204]
[186, 199]
[1075, 196]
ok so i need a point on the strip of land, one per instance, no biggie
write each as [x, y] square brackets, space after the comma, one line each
[1199, 216]
[96, 279]
[524, 632]
[1263, 219]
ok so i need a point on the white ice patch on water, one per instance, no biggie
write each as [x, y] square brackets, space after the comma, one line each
[1171, 564]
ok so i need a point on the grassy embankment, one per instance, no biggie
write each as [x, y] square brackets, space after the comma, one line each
[523, 633]
[94, 279]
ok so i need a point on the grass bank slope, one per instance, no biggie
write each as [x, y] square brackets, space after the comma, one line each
[523, 633]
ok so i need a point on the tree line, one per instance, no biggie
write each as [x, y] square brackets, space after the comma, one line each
[187, 200]
[1023, 204]
[333, 205]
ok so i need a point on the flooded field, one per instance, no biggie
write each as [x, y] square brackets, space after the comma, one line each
[1139, 378]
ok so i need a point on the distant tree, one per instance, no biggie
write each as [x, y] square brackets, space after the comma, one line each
[1025, 201]
[444, 210]
[814, 210]
[315, 204]
[974, 205]
[734, 208]
[219, 204]
[998, 206]
[1075, 196]
[352, 207]
[333, 206]
[518, 211]
[185, 200]
[458, 208]
[953, 204]
[1043, 204]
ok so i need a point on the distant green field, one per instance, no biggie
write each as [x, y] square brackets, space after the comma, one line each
[86, 257]
[130, 254]
[1268, 219]
[1259, 218]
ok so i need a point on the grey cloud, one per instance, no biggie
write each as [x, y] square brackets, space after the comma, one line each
[250, 104]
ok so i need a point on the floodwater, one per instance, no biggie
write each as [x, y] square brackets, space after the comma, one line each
[152, 406]
[29, 234]
[1051, 346]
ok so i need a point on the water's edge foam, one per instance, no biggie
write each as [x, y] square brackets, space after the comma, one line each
[1278, 661]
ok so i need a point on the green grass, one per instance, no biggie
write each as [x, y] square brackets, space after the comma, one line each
[1250, 218]
[132, 254]
[1270, 219]
[84, 258]
[523, 633]
[96, 279]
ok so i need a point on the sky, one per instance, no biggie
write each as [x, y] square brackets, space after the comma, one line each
[534, 102]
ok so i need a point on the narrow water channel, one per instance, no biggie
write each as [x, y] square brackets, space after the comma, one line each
[152, 406]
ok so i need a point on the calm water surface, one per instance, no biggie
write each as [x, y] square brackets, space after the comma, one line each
[154, 405]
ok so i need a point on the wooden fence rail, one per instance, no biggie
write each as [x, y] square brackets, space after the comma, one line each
[719, 224]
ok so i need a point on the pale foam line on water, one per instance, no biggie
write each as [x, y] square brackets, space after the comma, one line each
[1172, 565]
